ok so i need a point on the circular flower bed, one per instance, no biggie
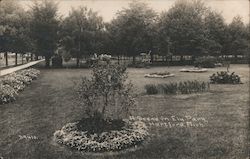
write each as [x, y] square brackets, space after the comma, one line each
[132, 133]
[159, 75]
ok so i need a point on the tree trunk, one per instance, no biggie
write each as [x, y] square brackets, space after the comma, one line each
[31, 57]
[22, 58]
[105, 104]
[16, 60]
[77, 62]
[182, 60]
[133, 59]
[152, 57]
[6, 59]
[118, 59]
[36, 57]
[235, 58]
[47, 61]
[193, 58]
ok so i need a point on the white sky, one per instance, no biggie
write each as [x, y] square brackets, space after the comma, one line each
[108, 8]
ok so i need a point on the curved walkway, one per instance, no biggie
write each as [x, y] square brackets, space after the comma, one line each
[13, 69]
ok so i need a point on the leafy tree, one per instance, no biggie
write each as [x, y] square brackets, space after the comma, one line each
[183, 26]
[132, 29]
[23, 42]
[82, 33]
[10, 15]
[237, 37]
[215, 32]
[44, 28]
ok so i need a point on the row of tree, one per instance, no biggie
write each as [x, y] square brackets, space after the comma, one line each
[187, 28]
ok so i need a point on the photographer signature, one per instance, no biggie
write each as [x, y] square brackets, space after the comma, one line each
[27, 137]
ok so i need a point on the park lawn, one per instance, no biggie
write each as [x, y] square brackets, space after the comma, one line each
[50, 102]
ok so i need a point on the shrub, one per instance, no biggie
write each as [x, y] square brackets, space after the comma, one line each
[31, 72]
[185, 87]
[224, 77]
[205, 62]
[170, 88]
[7, 93]
[151, 89]
[14, 82]
[106, 95]
[57, 61]
[26, 80]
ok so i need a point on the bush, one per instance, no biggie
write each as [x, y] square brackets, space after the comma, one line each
[106, 95]
[205, 62]
[57, 61]
[151, 89]
[14, 82]
[133, 133]
[7, 93]
[224, 77]
[31, 72]
[170, 88]
[185, 87]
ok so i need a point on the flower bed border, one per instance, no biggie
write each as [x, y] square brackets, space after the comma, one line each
[133, 134]
[194, 70]
[15, 82]
[158, 76]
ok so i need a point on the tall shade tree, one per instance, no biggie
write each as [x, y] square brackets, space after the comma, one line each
[132, 28]
[215, 29]
[81, 33]
[44, 28]
[23, 42]
[183, 27]
[10, 15]
[237, 37]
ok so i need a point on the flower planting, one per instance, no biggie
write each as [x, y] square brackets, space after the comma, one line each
[15, 82]
[224, 77]
[195, 70]
[31, 72]
[107, 100]
[159, 75]
[131, 134]
[7, 93]
[186, 87]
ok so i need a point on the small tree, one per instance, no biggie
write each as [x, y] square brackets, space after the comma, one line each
[106, 95]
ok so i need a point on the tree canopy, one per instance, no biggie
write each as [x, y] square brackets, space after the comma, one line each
[187, 28]
[44, 28]
[132, 29]
[81, 33]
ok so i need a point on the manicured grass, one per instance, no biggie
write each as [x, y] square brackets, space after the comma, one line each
[50, 102]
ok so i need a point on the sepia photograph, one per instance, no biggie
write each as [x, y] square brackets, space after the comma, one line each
[124, 79]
